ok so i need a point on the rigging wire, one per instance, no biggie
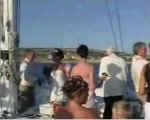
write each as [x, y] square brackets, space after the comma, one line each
[143, 9]
[145, 15]
[119, 25]
[111, 23]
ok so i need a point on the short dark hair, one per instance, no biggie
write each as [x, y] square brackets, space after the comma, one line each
[82, 51]
[58, 52]
[137, 46]
[28, 51]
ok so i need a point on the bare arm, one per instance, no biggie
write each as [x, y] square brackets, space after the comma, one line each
[142, 87]
[142, 84]
[91, 80]
[102, 70]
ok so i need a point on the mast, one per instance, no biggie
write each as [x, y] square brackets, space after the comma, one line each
[110, 18]
[8, 47]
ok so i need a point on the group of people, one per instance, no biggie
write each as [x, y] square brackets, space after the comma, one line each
[73, 88]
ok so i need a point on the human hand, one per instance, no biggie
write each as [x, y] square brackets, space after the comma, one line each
[104, 76]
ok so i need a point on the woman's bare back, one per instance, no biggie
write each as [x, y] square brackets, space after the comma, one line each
[84, 113]
[85, 70]
[75, 113]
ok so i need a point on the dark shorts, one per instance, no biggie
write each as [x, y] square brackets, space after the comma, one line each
[26, 98]
[109, 101]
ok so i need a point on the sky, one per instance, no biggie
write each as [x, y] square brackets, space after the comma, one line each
[68, 23]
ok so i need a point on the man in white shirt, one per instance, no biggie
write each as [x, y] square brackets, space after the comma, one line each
[138, 62]
[115, 85]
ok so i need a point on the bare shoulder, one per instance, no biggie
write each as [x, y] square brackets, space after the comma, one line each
[94, 112]
[61, 112]
[85, 113]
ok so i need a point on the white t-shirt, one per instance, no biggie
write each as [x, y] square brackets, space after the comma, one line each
[115, 67]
